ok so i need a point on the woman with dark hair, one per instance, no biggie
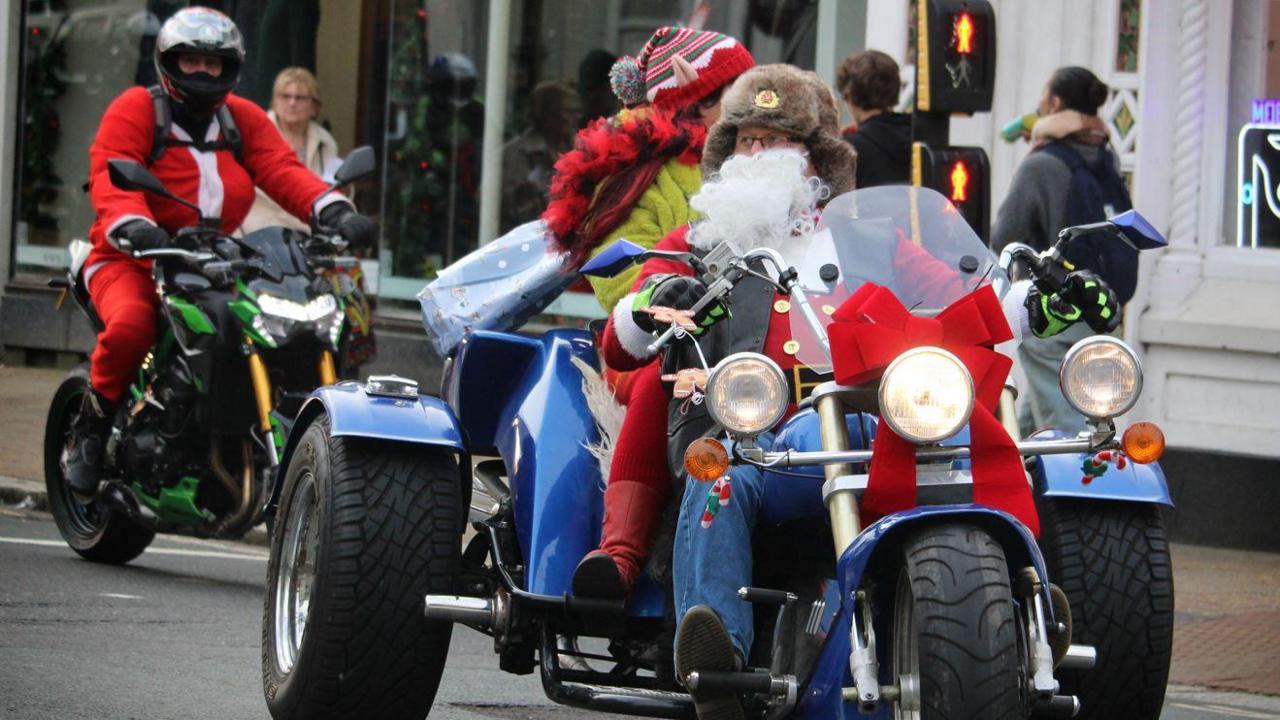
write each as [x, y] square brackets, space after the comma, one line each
[631, 176]
[1070, 146]
[869, 83]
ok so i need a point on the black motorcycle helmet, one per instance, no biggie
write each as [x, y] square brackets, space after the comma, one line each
[203, 31]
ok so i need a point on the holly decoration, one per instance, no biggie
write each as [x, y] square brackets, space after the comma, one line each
[1097, 465]
[717, 497]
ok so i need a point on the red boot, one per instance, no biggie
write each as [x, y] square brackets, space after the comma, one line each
[630, 511]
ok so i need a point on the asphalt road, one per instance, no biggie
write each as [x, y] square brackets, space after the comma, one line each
[175, 634]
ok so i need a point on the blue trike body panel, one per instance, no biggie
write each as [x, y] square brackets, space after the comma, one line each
[521, 397]
[1063, 477]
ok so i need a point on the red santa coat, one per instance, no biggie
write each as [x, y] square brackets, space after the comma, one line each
[213, 180]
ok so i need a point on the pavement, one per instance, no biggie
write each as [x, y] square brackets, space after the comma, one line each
[1226, 625]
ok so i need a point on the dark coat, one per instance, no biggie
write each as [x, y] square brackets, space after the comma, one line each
[883, 143]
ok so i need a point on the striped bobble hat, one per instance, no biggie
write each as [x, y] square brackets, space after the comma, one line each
[680, 66]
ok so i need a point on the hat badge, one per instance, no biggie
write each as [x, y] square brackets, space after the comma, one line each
[767, 99]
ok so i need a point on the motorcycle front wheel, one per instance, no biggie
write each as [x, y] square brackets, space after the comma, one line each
[365, 529]
[955, 631]
[95, 532]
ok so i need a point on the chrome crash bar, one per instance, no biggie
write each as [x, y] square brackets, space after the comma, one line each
[926, 454]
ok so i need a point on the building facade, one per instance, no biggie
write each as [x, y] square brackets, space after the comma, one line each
[439, 87]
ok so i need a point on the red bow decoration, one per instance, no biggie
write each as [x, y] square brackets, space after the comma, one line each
[872, 328]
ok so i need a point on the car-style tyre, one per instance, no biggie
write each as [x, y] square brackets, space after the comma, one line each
[955, 631]
[95, 532]
[1112, 560]
[364, 530]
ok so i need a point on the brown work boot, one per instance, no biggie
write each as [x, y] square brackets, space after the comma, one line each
[703, 644]
[630, 511]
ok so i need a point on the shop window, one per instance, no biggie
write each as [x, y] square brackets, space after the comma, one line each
[1252, 191]
[78, 55]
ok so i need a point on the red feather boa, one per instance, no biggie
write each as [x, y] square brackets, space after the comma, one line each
[626, 148]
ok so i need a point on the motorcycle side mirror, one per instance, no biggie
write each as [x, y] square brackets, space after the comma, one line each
[359, 164]
[618, 256]
[130, 175]
[1137, 231]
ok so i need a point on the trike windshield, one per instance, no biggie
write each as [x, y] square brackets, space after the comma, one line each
[908, 239]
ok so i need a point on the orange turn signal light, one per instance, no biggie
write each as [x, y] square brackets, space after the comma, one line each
[706, 459]
[1143, 442]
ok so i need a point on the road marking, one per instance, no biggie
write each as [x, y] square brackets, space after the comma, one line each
[1225, 710]
[150, 551]
[121, 596]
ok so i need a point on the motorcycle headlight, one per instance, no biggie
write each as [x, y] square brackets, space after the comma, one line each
[317, 309]
[926, 395]
[1101, 377]
[747, 393]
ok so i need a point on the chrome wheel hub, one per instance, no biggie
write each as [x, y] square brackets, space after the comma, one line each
[296, 572]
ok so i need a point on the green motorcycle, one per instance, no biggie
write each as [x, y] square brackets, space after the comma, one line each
[247, 328]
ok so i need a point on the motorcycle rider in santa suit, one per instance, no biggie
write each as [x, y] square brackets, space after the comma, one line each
[217, 148]
[770, 162]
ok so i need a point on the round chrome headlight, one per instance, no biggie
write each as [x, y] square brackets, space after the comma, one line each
[1101, 377]
[747, 393]
[926, 395]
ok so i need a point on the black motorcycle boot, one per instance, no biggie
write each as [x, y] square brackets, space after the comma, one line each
[703, 644]
[83, 453]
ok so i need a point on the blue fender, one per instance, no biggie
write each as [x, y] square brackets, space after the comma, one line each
[1062, 476]
[822, 693]
[354, 413]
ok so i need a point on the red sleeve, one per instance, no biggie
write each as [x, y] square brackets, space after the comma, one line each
[925, 276]
[126, 132]
[615, 355]
[275, 167]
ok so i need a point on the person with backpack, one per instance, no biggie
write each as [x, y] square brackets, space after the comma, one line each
[208, 147]
[1070, 178]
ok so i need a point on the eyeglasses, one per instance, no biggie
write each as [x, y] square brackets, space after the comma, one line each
[745, 143]
[285, 97]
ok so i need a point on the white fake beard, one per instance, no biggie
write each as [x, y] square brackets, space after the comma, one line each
[761, 200]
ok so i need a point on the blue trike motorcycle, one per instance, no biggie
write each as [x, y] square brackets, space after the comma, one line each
[949, 609]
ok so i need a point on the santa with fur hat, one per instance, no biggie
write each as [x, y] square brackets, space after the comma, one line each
[770, 164]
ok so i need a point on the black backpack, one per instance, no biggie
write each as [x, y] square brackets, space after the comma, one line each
[160, 140]
[1097, 192]
[231, 138]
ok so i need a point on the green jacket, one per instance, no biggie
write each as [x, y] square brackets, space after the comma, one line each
[661, 209]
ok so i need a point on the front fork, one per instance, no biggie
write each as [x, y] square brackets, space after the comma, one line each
[846, 523]
[262, 392]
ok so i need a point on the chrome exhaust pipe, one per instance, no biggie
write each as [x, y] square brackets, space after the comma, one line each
[474, 611]
[1079, 657]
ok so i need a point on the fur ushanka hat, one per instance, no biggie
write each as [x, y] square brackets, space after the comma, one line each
[790, 100]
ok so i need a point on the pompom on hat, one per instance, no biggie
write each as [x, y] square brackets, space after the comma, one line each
[679, 66]
[790, 100]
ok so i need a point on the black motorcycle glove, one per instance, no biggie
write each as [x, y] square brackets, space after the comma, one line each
[677, 292]
[1084, 296]
[356, 229]
[1095, 298]
[138, 235]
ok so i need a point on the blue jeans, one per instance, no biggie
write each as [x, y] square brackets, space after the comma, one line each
[712, 562]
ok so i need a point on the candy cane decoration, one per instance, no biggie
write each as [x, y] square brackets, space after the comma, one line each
[717, 497]
[1097, 465]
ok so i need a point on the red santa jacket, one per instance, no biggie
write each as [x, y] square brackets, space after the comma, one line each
[211, 180]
